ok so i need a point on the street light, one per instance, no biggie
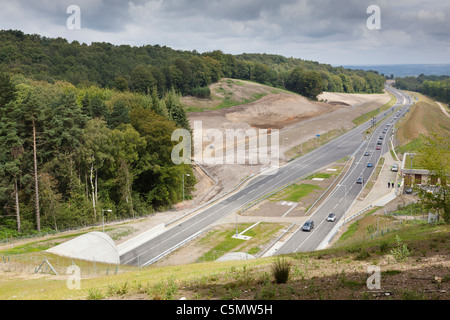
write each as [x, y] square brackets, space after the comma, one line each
[103, 218]
[301, 142]
[317, 135]
[345, 199]
[188, 175]
[284, 145]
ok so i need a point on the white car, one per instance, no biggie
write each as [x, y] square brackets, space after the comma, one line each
[331, 217]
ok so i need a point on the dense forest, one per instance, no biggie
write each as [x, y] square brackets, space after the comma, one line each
[68, 153]
[87, 128]
[437, 87]
[139, 69]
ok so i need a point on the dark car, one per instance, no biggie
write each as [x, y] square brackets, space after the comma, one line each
[331, 217]
[369, 165]
[308, 225]
[379, 142]
[360, 180]
[367, 153]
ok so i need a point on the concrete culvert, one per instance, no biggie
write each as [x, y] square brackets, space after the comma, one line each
[92, 246]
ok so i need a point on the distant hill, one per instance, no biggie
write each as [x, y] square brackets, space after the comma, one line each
[404, 70]
[141, 69]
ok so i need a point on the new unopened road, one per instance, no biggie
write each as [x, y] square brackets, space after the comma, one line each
[341, 147]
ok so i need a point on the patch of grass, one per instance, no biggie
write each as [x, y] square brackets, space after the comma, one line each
[350, 231]
[95, 294]
[390, 272]
[221, 241]
[321, 176]
[364, 254]
[313, 143]
[412, 295]
[295, 192]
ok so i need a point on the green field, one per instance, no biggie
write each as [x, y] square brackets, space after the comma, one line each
[295, 192]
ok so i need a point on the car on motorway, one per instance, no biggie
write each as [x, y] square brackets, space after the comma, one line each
[378, 148]
[381, 137]
[308, 225]
[369, 165]
[367, 153]
[360, 180]
[331, 217]
[379, 142]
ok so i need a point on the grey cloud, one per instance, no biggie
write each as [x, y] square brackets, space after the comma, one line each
[289, 27]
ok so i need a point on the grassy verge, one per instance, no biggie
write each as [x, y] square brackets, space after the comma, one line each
[369, 115]
[295, 192]
[313, 143]
[335, 273]
[424, 117]
[221, 241]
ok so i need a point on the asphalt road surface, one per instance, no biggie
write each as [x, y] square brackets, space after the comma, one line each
[348, 144]
[348, 190]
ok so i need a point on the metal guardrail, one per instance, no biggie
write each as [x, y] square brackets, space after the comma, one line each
[331, 235]
[151, 261]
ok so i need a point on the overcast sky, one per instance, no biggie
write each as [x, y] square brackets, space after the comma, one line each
[328, 31]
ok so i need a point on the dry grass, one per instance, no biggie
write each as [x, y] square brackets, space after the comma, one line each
[337, 273]
[425, 117]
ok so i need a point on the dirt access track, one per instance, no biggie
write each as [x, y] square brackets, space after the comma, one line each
[262, 107]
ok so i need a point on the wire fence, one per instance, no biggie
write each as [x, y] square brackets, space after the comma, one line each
[41, 264]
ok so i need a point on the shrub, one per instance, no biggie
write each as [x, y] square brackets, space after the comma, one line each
[401, 252]
[384, 245]
[280, 270]
[95, 294]
[201, 92]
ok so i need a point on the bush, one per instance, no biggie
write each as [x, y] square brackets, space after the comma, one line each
[384, 245]
[280, 270]
[201, 92]
[401, 252]
[95, 294]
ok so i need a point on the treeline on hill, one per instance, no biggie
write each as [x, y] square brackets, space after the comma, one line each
[437, 87]
[68, 153]
[139, 69]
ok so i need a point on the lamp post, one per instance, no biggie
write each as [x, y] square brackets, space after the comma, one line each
[284, 144]
[345, 199]
[103, 218]
[301, 142]
[188, 175]
[317, 133]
